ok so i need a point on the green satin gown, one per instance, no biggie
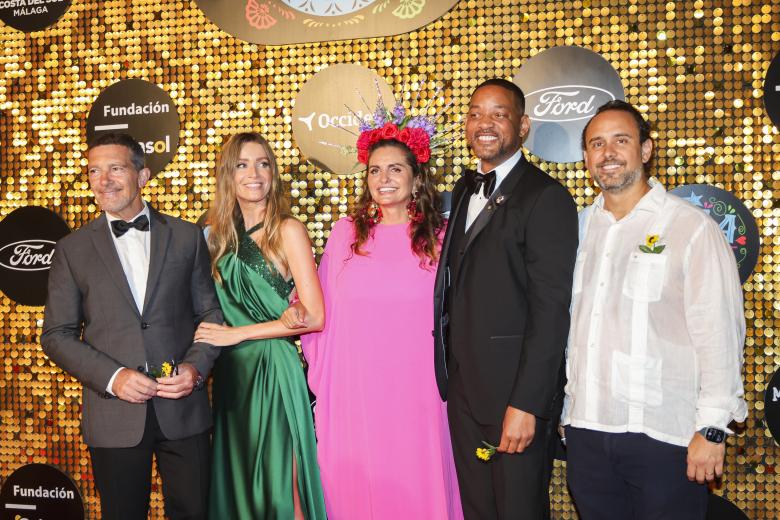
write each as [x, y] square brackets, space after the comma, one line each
[261, 407]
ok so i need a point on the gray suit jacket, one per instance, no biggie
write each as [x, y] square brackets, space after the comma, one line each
[92, 325]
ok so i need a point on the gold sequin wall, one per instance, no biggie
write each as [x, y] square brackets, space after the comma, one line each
[695, 68]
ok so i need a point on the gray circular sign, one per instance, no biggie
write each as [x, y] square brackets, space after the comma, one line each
[563, 87]
[327, 114]
[143, 110]
[32, 15]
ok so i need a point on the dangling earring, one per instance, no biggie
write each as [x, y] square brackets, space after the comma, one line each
[373, 213]
[413, 212]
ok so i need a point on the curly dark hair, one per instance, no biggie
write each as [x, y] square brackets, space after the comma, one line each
[424, 234]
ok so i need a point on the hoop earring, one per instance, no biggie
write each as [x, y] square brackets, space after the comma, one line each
[373, 213]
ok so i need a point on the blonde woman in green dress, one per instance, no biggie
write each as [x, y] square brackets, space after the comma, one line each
[264, 456]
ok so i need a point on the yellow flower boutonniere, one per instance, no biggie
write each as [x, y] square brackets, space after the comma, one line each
[651, 245]
[167, 369]
[486, 453]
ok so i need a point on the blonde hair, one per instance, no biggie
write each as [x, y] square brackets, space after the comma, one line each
[225, 213]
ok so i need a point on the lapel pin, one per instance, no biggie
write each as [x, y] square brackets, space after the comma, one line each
[500, 199]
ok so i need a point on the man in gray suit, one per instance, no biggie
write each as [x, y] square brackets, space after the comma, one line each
[127, 291]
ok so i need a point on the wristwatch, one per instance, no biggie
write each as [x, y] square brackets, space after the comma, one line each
[712, 434]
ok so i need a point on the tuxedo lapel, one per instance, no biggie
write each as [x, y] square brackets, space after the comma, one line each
[161, 234]
[496, 201]
[459, 205]
[104, 244]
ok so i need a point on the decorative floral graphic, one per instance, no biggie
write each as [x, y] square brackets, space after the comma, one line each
[650, 245]
[328, 7]
[258, 14]
[284, 22]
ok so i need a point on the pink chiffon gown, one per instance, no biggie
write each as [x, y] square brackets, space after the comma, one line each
[383, 443]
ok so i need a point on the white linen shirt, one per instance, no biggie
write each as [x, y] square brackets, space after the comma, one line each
[656, 340]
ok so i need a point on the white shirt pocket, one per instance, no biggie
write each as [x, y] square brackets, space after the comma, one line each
[644, 279]
[636, 380]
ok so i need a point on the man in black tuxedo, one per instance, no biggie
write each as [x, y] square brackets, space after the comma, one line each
[502, 295]
[127, 290]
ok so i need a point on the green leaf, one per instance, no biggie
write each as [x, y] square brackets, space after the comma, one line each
[645, 249]
[658, 249]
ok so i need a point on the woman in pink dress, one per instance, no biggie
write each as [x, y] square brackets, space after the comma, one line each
[383, 443]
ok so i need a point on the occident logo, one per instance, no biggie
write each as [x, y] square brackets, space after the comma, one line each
[323, 120]
[144, 111]
[566, 102]
[27, 241]
[327, 113]
[563, 87]
[27, 255]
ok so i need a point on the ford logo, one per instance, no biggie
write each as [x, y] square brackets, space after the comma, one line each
[27, 255]
[566, 102]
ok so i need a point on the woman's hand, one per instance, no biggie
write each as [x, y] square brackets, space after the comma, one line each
[219, 335]
[294, 317]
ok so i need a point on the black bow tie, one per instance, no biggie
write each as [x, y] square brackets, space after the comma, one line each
[120, 227]
[486, 183]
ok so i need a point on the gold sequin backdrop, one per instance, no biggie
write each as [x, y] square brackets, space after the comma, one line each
[695, 68]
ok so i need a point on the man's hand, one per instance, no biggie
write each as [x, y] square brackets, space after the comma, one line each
[294, 317]
[518, 431]
[705, 459]
[178, 386]
[133, 387]
[219, 335]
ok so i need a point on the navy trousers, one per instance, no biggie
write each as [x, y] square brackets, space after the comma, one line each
[624, 476]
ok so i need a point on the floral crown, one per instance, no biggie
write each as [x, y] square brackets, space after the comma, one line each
[419, 132]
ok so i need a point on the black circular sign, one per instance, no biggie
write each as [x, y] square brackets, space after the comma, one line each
[735, 220]
[772, 91]
[32, 15]
[563, 87]
[40, 492]
[143, 110]
[772, 406]
[27, 239]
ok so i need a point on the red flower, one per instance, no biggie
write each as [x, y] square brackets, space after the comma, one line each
[364, 140]
[389, 131]
[362, 155]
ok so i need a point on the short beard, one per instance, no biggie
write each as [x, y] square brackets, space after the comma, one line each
[627, 180]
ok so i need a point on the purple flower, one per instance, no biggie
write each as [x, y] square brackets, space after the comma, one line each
[423, 122]
[364, 125]
[398, 113]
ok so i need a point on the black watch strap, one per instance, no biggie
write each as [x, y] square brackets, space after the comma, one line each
[714, 435]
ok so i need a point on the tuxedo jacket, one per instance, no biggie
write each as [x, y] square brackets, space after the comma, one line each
[92, 325]
[502, 295]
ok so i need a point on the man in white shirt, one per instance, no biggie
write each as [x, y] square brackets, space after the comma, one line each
[655, 348]
[126, 292]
